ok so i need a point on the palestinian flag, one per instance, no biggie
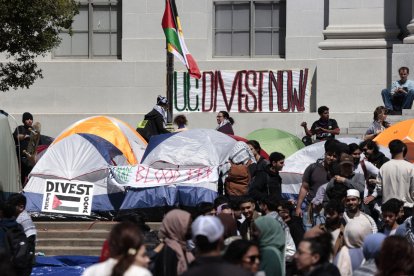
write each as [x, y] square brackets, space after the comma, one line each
[66, 203]
[175, 38]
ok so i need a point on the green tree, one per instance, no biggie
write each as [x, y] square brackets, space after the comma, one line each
[28, 29]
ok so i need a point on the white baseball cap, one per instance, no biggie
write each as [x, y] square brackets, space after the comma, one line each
[209, 227]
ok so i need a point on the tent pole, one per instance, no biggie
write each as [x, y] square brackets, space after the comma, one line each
[170, 86]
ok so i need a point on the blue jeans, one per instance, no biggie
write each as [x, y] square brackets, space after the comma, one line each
[406, 99]
[318, 218]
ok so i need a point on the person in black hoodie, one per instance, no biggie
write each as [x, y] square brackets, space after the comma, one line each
[155, 121]
[268, 182]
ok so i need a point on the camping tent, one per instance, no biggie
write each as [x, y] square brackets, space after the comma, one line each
[180, 168]
[403, 131]
[296, 164]
[9, 168]
[83, 152]
[272, 140]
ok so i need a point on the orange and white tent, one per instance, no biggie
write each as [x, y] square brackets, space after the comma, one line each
[83, 152]
[403, 131]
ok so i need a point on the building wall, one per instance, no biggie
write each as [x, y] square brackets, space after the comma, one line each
[348, 81]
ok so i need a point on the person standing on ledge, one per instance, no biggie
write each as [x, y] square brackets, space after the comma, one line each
[21, 137]
[225, 123]
[324, 128]
[401, 94]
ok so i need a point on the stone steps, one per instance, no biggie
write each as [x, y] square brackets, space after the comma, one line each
[358, 129]
[74, 238]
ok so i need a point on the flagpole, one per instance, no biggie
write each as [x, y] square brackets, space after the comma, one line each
[170, 86]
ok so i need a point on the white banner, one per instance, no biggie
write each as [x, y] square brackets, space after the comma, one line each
[142, 176]
[243, 91]
[67, 197]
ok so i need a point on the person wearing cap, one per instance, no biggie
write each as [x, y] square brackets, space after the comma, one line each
[396, 177]
[155, 120]
[352, 203]
[21, 137]
[207, 233]
[346, 179]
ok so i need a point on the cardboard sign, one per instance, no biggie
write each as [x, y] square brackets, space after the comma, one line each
[67, 197]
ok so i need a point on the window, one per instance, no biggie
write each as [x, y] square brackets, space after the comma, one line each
[249, 28]
[96, 31]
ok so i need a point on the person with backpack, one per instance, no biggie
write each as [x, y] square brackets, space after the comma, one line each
[155, 121]
[13, 241]
[23, 218]
[268, 182]
[315, 175]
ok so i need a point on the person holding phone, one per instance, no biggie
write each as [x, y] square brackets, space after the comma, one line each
[400, 95]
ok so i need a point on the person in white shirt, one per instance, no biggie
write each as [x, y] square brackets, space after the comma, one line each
[127, 254]
[396, 177]
[352, 203]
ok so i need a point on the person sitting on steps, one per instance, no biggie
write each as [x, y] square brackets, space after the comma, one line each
[400, 95]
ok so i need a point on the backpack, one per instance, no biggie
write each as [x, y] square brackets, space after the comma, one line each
[238, 179]
[17, 246]
[144, 128]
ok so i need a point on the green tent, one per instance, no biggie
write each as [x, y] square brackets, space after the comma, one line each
[272, 139]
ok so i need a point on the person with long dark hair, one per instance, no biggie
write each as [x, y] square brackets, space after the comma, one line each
[127, 254]
[378, 125]
[225, 123]
[243, 253]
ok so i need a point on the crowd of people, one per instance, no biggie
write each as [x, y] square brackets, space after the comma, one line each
[354, 214]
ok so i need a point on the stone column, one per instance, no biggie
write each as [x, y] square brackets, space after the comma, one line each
[354, 62]
[410, 38]
[359, 24]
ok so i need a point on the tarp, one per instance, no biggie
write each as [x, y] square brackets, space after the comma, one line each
[9, 167]
[62, 265]
[296, 164]
[403, 131]
[182, 168]
[272, 140]
[84, 152]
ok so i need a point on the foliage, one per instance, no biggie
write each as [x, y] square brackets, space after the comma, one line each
[28, 29]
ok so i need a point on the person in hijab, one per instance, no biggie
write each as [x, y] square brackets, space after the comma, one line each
[225, 123]
[371, 249]
[350, 256]
[155, 121]
[173, 258]
[271, 237]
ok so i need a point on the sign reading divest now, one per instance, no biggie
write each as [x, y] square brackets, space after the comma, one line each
[243, 91]
[67, 197]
